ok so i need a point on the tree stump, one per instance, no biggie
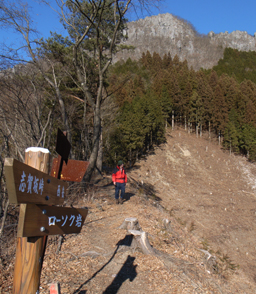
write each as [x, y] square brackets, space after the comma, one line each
[130, 223]
[139, 237]
[140, 240]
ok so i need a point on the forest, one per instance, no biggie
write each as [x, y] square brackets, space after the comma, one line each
[220, 101]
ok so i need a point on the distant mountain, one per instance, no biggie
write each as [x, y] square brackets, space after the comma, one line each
[167, 33]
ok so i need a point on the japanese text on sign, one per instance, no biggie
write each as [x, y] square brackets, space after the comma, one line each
[69, 220]
[36, 185]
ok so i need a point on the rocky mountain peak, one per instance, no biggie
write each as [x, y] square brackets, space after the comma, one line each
[166, 33]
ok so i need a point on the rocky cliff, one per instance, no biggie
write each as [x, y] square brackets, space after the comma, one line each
[166, 33]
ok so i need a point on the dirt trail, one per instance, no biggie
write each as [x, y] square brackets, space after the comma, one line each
[192, 199]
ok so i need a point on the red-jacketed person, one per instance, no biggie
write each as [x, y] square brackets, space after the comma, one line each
[119, 179]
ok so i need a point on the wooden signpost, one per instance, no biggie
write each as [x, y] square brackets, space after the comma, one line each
[72, 170]
[29, 185]
[42, 220]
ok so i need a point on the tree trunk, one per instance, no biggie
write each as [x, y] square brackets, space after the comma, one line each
[130, 157]
[209, 130]
[95, 148]
[100, 154]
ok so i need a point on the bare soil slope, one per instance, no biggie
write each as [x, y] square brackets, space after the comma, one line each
[197, 204]
[210, 191]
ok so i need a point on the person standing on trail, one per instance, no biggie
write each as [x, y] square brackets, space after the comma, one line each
[119, 179]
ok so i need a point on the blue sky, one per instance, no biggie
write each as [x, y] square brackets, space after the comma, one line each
[204, 15]
[217, 16]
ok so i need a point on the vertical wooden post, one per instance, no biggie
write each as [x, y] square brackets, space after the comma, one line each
[30, 251]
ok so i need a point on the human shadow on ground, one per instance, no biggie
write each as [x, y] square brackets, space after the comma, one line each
[127, 196]
[127, 271]
[77, 291]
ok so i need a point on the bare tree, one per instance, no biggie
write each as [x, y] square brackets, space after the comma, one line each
[24, 115]
[16, 16]
[95, 28]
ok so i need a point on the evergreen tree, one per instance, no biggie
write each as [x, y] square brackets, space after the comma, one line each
[166, 103]
[167, 61]
[187, 95]
[213, 79]
[232, 133]
[248, 141]
[220, 110]
[250, 113]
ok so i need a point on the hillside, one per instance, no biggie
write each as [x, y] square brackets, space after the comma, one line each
[197, 204]
[166, 33]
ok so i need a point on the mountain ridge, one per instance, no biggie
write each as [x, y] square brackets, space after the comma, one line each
[165, 33]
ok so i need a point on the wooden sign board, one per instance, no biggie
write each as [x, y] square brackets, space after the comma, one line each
[41, 220]
[62, 146]
[73, 171]
[28, 185]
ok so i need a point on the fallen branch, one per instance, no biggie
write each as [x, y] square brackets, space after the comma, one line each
[210, 261]
[61, 237]
[93, 254]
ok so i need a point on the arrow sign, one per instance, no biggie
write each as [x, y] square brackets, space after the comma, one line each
[62, 148]
[26, 184]
[41, 220]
